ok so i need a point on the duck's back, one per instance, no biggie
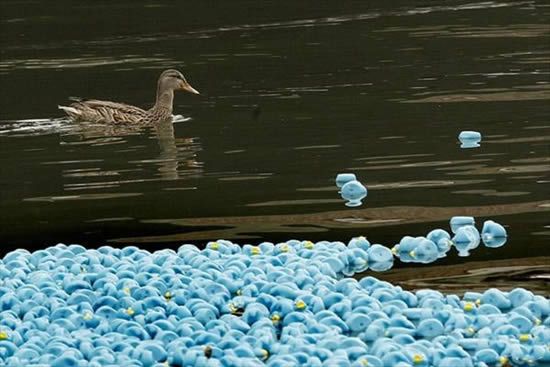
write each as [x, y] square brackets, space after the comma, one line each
[97, 111]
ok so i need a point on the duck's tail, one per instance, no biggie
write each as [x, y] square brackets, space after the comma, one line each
[71, 111]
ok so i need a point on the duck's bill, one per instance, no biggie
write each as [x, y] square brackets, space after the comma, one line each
[188, 88]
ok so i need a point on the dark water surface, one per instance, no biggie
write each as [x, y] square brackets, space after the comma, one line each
[292, 94]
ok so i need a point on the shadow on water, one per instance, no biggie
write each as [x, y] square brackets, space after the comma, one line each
[289, 100]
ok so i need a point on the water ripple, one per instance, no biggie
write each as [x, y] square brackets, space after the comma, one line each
[299, 23]
[103, 196]
[34, 127]
[252, 226]
[82, 62]
[488, 95]
[326, 21]
[508, 31]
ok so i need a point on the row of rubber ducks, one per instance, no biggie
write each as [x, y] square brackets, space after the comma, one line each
[438, 242]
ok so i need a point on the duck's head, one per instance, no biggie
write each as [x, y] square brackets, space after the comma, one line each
[174, 80]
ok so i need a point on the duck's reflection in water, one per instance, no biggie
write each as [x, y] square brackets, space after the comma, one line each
[175, 151]
[168, 158]
[95, 134]
[131, 154]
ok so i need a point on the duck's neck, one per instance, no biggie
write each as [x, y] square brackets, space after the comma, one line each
[165, 100]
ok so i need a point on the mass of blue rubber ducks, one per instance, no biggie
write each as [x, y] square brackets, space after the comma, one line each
[285, 304]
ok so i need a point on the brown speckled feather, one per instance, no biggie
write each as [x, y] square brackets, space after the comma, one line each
[109, 112]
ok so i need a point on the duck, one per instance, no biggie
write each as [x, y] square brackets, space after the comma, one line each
[107, 112]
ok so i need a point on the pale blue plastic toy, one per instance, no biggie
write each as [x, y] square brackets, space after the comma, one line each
[358, 322]
[519, 296]
[469, 139]
[359, 242]
[496, 298]
[459, 221]
[344, 178]
[380, 258]
[353, 192]
[404, 248]
[493, 234]
[442, 239]
[430, 328]
[466, 239]
[425, 252]
[417, 250]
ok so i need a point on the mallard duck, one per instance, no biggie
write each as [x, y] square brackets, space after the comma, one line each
[116, 113]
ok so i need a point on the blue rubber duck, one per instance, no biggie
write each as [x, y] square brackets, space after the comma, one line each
[353, 192]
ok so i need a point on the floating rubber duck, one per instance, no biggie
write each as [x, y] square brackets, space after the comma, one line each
[430, 328]
[459, 221]
[469, 139]
[466, 239]
[344, 178]
[496, 298]
[353, 192]
[404, 248]
[493, 234]
[425, 252]
[442, 239]
[359, 242]
[380, 258]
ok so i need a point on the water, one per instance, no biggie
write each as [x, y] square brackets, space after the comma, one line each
[291, 94]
